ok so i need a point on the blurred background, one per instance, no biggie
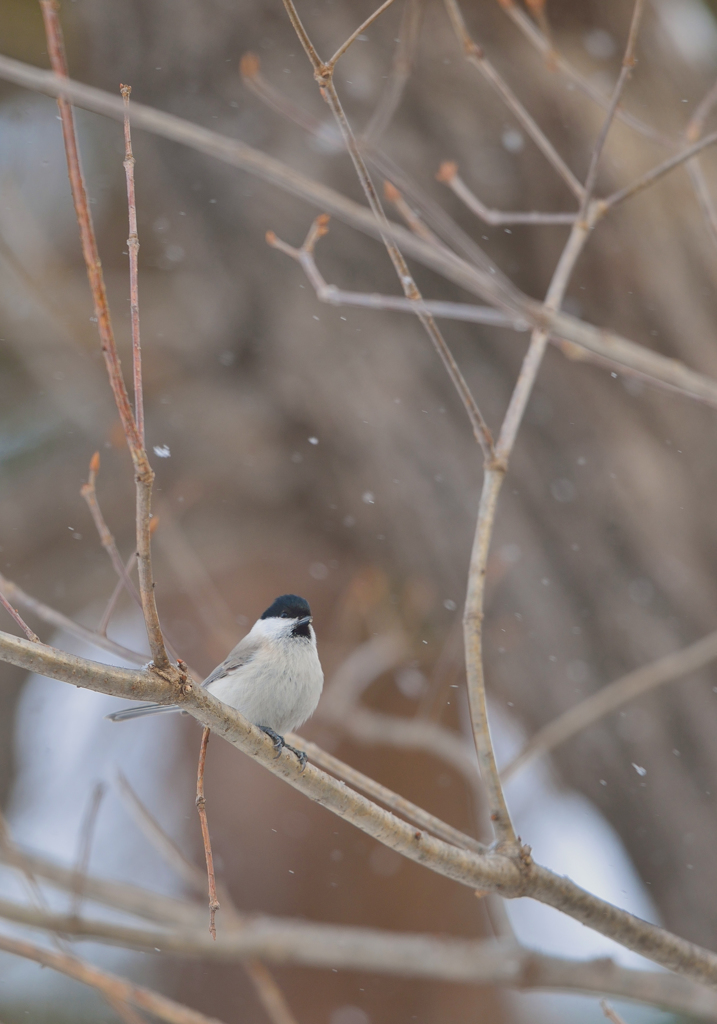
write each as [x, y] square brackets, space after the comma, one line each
[319, 450]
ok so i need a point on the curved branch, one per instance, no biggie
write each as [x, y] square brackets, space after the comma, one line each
[491, 871]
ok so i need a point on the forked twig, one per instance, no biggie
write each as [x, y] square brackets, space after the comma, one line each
[474, 55]
[333, 296]
[489, 285]
[324, 76]
[628, 63]
[356, 33]
[612, 697]
[555, 60]
[144, 475]
[202, 809]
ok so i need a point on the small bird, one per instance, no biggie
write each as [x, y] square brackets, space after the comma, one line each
[273, 676]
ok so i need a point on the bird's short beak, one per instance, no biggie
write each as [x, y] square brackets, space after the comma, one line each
[306, 619]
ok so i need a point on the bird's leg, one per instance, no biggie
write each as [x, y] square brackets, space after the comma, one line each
[279, 744]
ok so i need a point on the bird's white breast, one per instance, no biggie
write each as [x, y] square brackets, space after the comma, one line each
[279, 687]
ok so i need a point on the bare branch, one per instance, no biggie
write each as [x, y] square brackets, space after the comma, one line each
[613, 696]
[448, 175]
[491, 871]
[133, 250]
[399, 74]
[556, 60]
[87, 832]
[480, 427]
[144, 475]
[270, 995]
[17, 617]
[131, 899]
[492, 287]
[376, 791]
[54, 618]
[111, 986]
[492, 482]
[659, 171]
[474, 55]
[333, 296]
[354, 35]
[611, 1014]
[202, 809]
[89, 493]
[628, 63]
[469, 961]
[414, 222]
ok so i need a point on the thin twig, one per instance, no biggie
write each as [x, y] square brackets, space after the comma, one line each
[628, 63]
[474, 55]
[250, 70]
[650, 177]
[190, 874]
[87, 832]
[15, 614]
[323, 75]
[401, 65]
[448, 175]
[115, 595]
[133, 250]
[481, 430]
[197, 583]
[89, 493]
[611, 1014]
[555, 60]
[614, 696]
[131, 899]
[354, 35]
[392, 195]
[54, 618]
[693, 131]
[489, 284]
[202, 809]
[144, 475]
[333, 296]
[270, 995]
[108, 984]
[492, 482]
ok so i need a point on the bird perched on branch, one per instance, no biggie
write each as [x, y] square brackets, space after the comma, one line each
[273, 676]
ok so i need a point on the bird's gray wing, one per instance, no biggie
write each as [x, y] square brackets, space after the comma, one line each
[242, 654]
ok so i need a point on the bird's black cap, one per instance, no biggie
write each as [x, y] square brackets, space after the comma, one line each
[288, 606]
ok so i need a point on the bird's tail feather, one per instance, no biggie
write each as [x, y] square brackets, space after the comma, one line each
[140, 711]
